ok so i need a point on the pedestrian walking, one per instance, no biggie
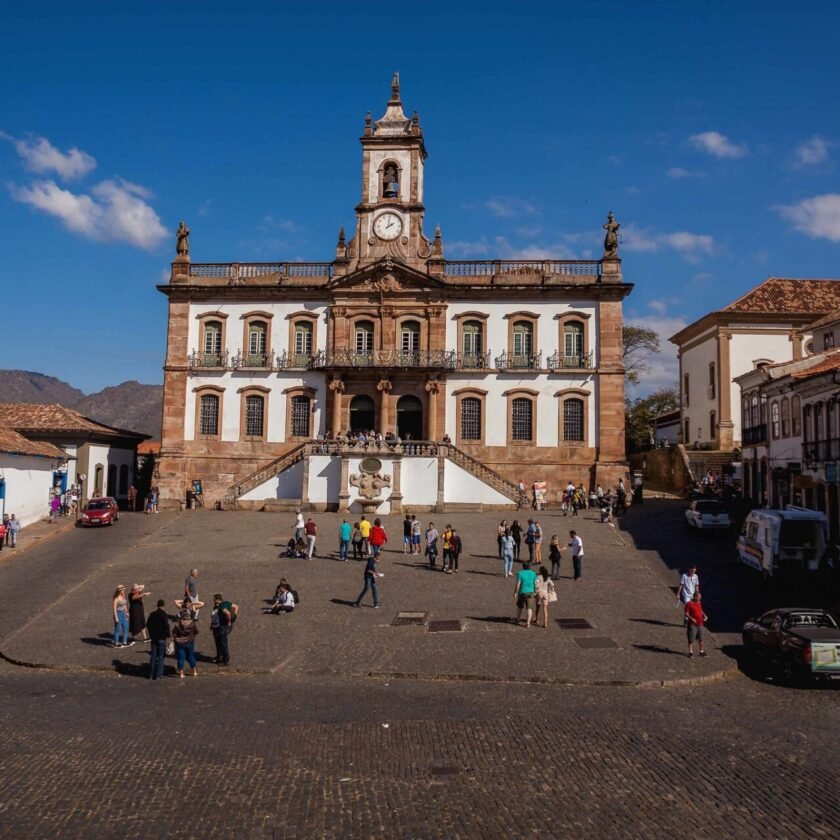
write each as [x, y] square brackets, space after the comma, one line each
[500, 532]
[370, 576]
[432, 537]
[577, 553]
[456, 546]
[6, 535]
[191, 589]
[3, 531]
[136, 613]
[621, 493]
[516, 533]
[299, 526]
[378, 537]
[345, 533]
[184, 632]
[357, 541]
[157, 628]
[14, 530]
[55, 508]
[407, 522]
[695, 622]
[311, 532]
[228, 612]
[554, 556]
[416, 535]
[132, 499]
[119, 608]
[689, 584]
[545, 593]
[538, 538]
[446, 539]
[523, 593]
[364, 527]
[507, 553]
[530, 539]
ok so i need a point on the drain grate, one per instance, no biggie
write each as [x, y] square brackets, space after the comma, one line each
[402, 618]
[448, 626]
[596, 642]
[574, 624]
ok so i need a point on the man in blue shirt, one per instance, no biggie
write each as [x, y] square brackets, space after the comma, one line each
[523, 594]
[345, 531]
[370, 583]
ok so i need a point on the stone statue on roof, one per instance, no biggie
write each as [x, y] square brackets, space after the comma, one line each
[182, 249]
[611, 237]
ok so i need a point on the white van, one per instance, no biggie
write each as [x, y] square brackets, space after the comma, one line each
[783, 541]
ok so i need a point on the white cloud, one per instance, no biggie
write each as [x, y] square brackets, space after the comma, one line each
[718, 144]
[507, 208]
[115, 211]
[817, 217]
[39, 155]
[664, 367]
[658, 306]
[678, 173]
[690, 246]
[501, 248]
[287, 225]
[811, 152]
[204, 207]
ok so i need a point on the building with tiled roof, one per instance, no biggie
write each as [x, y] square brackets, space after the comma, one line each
[100, 459]
[12, 443]
[774, 322]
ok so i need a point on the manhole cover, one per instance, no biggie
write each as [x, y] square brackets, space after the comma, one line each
[409, 618]
[574, 624]
[453, 626]
[596, 642]
[444, 771]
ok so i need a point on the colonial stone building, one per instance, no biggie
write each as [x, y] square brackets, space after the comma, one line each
[515, 364]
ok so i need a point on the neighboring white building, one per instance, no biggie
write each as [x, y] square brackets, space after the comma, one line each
[665, 429]
[27, 471]
[769, 324]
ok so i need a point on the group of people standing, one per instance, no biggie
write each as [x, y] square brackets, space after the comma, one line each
[9, 530]
[131, 625]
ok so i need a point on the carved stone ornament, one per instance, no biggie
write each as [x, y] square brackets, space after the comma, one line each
[182, 249]
[339, 311]
[433, 386]
[370, 485]
[337, 385]
[384, 385]
[386, 283]
[611, 236]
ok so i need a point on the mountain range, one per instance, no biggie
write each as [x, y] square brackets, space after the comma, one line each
[130, 405]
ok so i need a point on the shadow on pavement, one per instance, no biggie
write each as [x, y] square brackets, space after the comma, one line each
[657, 649]
[342, 602]
[493, 619]
[656, 622]
[102, 639]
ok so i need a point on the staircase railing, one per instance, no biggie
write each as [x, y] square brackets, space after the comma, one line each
[267, 472]
[482, 472]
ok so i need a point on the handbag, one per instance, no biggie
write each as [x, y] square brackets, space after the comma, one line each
[552, 594]
[170, 648]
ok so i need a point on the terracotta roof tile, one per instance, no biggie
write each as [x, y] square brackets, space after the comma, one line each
[149, 447]
[16, 444]
[26, 417]
[829, 363]
[828, 319]
[787, 294]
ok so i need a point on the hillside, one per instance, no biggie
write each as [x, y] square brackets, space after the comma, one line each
[129, 405]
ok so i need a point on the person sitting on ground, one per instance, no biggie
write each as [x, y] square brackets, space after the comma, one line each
[284, 600]
[290, 547]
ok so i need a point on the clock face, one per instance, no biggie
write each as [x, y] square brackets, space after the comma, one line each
[387, 226]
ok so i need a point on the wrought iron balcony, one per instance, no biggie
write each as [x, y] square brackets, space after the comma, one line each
[208, 360]
[472, 361]
[300, 361]
[347, 358]
[519, 361]
[251, 360]
[820, 451]
[583, 361]
[755, 434]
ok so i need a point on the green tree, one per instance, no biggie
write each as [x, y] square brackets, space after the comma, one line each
[639, 345]
[639, 413]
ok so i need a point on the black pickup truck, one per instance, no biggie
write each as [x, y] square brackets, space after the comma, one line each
[802, 642]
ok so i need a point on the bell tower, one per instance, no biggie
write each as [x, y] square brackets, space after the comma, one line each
[390, 214]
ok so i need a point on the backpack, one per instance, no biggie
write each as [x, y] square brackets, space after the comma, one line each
[295, 596]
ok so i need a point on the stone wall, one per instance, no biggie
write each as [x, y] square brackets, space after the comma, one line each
[664, 469]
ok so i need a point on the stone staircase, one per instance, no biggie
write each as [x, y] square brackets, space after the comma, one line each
[700, 461]
[412, 449]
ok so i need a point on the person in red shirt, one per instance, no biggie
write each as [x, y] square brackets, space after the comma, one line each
[378, 537]
[695, 621]
[311, 532]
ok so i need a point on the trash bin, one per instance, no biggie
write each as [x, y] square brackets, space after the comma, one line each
[638, 484]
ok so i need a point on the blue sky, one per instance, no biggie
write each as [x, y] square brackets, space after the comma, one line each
[711, 130]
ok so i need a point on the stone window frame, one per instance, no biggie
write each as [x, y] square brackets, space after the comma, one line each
[785, 410]
[399, 320]
[460, 395]
[253, 391]
[353, 320]
[206, 391]
[713, 424]
[302, 315]
[462, 318]
[299, 391]
[203, 318]
[248, 319]
[533, 319]
[795, 415]
[521, 393]
[572, 393]
[380, 173]
[565, 317]
[775, 420]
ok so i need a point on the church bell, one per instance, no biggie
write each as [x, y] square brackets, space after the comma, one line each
[392, 189]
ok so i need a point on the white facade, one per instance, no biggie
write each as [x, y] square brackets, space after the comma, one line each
[28, 482]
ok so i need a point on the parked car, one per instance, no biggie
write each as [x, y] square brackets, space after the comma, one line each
[707, 513]
[787, 541]
[802, 642]
[101, 511]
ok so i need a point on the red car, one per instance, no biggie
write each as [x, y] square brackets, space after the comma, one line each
[102, 511]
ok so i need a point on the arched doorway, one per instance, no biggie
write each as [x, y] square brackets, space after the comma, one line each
[362, 414]
[410, 417]
[97, 480]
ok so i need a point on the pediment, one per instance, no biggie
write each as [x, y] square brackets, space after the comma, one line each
[386, 275]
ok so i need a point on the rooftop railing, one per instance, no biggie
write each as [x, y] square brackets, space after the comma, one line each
[581, 361]
[483, 268]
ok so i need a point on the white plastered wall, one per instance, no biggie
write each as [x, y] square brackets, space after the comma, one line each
[461, 486]
[28, 483]
[695, 362]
